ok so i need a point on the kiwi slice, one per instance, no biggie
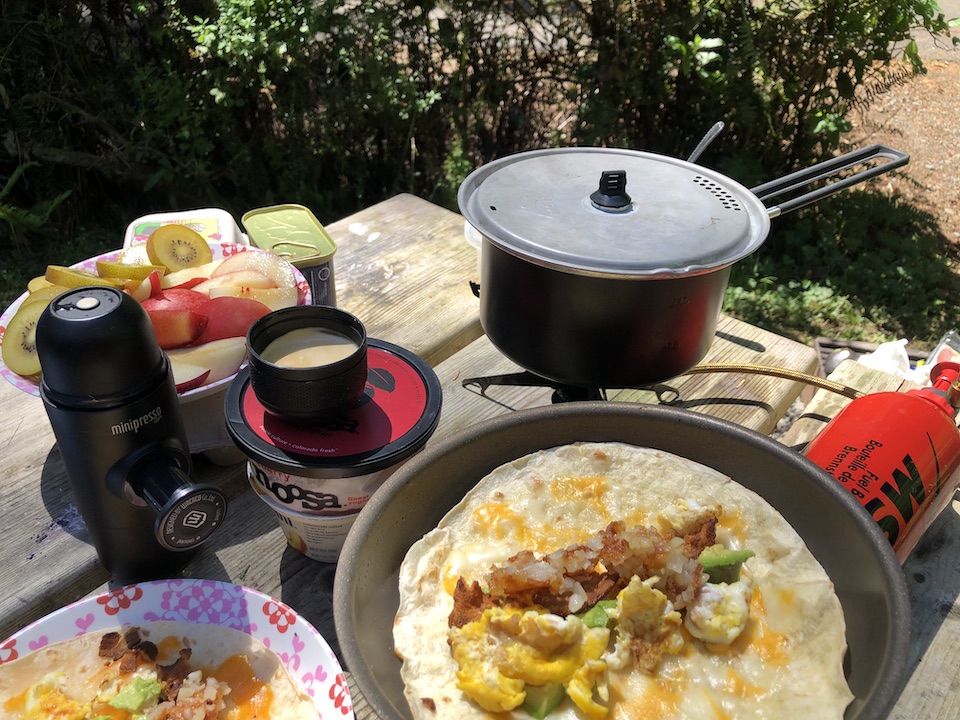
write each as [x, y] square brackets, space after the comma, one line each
[125, 271]
[44, 295]
[177, 247]
[73, 278]
[19, 348]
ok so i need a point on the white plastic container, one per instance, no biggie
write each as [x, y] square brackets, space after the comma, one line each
[213, 224]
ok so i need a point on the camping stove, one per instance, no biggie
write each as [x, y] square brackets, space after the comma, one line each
[562, 393]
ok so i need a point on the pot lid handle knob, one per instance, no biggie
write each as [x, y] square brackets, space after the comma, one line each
[612, 193]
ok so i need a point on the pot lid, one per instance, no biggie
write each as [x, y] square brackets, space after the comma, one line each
[612, 211]
[394, 419]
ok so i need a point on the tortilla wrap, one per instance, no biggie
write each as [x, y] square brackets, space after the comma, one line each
[79, 671]
[787, 663]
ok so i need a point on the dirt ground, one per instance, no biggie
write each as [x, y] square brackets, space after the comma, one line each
[922, 118]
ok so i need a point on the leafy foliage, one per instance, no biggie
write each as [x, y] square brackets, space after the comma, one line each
[113, 110]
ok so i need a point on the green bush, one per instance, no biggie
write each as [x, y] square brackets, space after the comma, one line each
[113, 110]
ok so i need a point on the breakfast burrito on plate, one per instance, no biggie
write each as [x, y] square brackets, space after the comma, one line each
[603, 580]
[154, 671]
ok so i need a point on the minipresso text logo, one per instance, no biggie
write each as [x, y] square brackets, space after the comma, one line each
[134, 425]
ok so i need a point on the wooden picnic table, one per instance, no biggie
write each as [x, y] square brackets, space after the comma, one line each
[404, 268]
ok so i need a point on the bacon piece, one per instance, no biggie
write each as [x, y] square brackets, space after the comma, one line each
[469, 602]
[173, 675]
[696, 543]
[113, 645]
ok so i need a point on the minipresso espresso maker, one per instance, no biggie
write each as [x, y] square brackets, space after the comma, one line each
[110, 395]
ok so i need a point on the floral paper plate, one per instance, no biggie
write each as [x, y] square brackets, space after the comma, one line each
[219, 250]
[302, 649]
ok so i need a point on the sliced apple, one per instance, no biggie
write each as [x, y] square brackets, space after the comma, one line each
[222, 357]
[240, 278]
[229, 316]
[188, 376]
[273, 266]
[274, 298]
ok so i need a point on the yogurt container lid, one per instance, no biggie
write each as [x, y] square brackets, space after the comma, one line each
[396, 416]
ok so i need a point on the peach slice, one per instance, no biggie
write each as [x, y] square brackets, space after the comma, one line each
[187, 275]
[176, 328]
[149, 287]
[222, 357]
[240, 278]
[229, 316]
[187, 376]
[273, 298]
[175, 299]
[273, 266]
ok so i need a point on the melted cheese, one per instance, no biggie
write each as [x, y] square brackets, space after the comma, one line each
[252, 696]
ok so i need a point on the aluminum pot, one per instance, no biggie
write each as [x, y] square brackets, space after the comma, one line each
[589, 285]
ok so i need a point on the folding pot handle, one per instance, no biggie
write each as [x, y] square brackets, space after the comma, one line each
[827, 169]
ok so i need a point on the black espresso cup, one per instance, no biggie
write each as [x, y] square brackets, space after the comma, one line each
[308, 363]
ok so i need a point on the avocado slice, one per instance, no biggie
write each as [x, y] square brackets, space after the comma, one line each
[596, 617]
[723, 565]
[541, 700]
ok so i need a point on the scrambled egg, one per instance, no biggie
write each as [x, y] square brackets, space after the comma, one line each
[684, 516]
[647, 626]
[46, 700]
[507, 649]
[720, 611]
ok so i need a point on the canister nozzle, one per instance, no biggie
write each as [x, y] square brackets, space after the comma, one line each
[944, 390]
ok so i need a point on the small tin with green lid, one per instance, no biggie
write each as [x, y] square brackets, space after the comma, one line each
[294, 233]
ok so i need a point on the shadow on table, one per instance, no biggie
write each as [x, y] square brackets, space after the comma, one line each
[307, 585]
[246, 516]
[933, 580]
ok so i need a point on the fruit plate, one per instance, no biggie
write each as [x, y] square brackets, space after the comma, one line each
[302, 650]
[219, 250]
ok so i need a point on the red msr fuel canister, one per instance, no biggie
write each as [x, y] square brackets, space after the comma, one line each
[898, 453]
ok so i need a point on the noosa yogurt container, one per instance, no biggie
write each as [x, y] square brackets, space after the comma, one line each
[317, 478]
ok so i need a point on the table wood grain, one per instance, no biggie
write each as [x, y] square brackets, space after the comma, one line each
[404, 267]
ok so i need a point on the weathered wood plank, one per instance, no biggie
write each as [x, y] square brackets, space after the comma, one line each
[404, 268]
[825, 404]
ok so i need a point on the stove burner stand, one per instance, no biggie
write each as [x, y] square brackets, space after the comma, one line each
[561, 392]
